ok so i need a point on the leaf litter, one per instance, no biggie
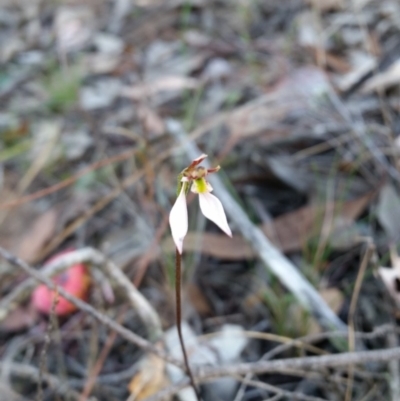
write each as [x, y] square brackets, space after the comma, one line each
[298, 102]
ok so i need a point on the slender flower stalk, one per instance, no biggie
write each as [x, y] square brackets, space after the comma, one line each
[192, 178]
[178, 276]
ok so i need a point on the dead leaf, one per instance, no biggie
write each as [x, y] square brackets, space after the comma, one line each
[216, 245]
[288, 232]
[152, 122]
[163, 84]
[333, 61]
[292, 230]
[150, 379]
[294, 93]
[334, 298]
[37, 235]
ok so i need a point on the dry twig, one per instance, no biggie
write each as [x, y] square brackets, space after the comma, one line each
[284, 393]
[353, 305]
[89, 255]
[96, 258]
[68, 181]
[34, 374]
[208, 373]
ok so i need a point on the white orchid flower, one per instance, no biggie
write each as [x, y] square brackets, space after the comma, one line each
[210, 205]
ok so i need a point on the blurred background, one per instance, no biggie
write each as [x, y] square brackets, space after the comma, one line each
[297, 100]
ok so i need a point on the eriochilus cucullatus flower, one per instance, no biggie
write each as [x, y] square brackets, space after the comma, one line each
[194, 178]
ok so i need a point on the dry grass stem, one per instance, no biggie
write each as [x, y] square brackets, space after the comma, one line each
[353, 305]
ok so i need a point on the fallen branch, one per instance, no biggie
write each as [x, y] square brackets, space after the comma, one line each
[209, 373]
[305, 363]
[287, 273]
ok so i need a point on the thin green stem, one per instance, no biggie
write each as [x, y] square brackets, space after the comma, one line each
[178, 275]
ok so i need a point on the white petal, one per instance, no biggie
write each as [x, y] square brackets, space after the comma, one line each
[212, 208]
[178, 220]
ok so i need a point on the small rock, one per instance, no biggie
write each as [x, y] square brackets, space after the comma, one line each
[33, 57]
[109, 44]
[217, 69]
[101, 63]
[10, 47]
[100, 95]
[76, 143]
[166, 58]
[46, 137]
[74, 27]
[196, 38]
[8, 121]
